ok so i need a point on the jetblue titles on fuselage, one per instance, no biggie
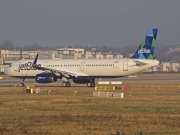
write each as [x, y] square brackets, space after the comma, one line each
[27, 66]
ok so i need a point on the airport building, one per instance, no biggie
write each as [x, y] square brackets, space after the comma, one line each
[61, 53]
[165, 67]
[68, 53]
[45, 54]
[28, 54]
[10, 54]
[17, 54]
[4, 65]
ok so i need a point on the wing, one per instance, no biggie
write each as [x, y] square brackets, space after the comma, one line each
[62, 73]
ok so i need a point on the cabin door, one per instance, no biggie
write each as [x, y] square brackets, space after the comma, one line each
[125, 65]
[45, 64]
[16, 67]
[82, 66]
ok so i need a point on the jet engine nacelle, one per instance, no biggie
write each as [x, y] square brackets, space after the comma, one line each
[45, 78]
[81, 81]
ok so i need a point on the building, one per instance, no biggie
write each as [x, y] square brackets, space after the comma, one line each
[68, 53]
[3, 66]
[170, 67]
[17, 54]
[45, 54]
[118, 56]
[10, 54]
[29, 54]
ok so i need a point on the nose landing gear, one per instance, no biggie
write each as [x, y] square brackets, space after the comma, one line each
[21, 84]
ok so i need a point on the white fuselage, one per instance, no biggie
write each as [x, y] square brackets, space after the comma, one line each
[84, 67]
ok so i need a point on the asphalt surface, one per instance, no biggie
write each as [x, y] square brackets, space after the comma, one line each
[32, 81]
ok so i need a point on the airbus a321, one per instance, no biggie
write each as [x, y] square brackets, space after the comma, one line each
[85, 71]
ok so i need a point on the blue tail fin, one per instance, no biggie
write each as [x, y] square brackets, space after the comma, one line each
[146, 48]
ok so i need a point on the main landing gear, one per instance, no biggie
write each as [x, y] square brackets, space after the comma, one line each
[66, 84]
[91, 83]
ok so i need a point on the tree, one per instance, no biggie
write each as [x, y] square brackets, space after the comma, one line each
[7, 45]
[32, 47]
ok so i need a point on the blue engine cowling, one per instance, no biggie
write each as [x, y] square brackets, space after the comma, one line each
[45, 78]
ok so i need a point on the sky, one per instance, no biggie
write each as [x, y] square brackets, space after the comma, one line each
[88, 22]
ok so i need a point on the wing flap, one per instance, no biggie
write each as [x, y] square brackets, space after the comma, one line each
[63, 73]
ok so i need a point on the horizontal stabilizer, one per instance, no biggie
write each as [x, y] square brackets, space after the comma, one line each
[140, 63]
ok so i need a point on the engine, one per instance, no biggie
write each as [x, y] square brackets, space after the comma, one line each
[45, 78]
[81, 81]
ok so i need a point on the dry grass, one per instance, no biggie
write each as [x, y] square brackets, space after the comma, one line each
[148, 107]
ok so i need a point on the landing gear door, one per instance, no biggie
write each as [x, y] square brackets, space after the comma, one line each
[125, 65]
[82, 66]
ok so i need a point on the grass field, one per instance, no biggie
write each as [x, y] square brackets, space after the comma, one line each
[147, 107]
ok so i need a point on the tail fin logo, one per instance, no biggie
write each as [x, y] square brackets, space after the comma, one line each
[143, 50]
[146, 48]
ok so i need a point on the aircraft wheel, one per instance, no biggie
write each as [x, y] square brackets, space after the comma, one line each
[68, 84]
[21, 84]
[93, 84]
[89, 84]
[64, 84]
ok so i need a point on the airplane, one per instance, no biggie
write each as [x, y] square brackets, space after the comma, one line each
[85, 71]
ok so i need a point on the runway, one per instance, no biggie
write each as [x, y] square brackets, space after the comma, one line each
[123, 79]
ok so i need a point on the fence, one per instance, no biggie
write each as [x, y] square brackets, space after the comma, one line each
[108, 94]
[144, 133]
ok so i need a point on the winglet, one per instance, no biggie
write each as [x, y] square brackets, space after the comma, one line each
[146, 48]
[34, 65]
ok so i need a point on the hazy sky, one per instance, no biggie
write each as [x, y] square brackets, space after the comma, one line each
[88, 22]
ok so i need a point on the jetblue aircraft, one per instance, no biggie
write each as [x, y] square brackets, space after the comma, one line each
[84, 71]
